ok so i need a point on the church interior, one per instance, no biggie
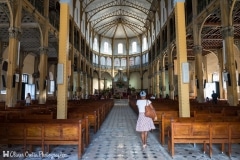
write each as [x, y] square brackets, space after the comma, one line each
[84, 63]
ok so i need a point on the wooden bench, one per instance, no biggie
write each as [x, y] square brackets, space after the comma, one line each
[2, 105]
[166, 124]
[13, 134]
[188, 132]
[92, 115]
[219, 134]
[46, 133]
[38, 116]
[205, 133]
[159, 114]
[234, 135]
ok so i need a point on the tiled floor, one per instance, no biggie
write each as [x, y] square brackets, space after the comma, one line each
[117, 139]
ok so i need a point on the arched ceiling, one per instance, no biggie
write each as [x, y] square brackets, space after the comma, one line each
[118, 18]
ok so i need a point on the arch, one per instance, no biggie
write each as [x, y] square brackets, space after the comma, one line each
[201, 27]
[11, 14]
[212, 65]
[237, 57]
[231, 13]
[51, 77]
[163, 60]
[135, 80]
[28, 64]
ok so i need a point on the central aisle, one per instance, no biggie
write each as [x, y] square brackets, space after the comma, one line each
[117, 138]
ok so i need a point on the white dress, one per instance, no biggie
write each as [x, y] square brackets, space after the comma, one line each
[28, 100]
[143, 123]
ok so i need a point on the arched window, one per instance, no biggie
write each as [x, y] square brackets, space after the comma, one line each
[123, 62]
[144, 43]
[106, 47]
[103, 61]
[109, 61]
[131, 61]
[120, 48]
[95, 45]
[134, 47]
[117, 62]
[96, 59]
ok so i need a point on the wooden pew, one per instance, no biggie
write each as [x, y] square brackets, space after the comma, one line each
[64, 132]
[2, 105]
[168, 119]
[33, 134]
[12, 134]
[159, 114]
[45, 133]
[206, 133]
[38, 116]
[219, 134]
[234, 135]
[191, 132]
[92, 115]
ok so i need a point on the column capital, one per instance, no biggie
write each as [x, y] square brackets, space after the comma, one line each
[78, 70]
[157, 73]
[43, 50]
[170, 65]
[163, 88]
[70, 47]
[227, 31]
[197, 49]
[15, 32]
[171, 87]
[88, 76]
[162, 69]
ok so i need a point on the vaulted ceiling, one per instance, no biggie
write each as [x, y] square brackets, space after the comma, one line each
[118, 18]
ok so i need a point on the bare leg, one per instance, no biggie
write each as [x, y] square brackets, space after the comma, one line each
[144, 138]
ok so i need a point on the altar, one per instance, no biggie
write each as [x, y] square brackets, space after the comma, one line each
[120, 85]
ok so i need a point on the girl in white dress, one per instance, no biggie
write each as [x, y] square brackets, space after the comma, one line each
[28, 99]
[144, 124]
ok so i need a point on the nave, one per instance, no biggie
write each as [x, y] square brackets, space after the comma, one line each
[117, 139]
